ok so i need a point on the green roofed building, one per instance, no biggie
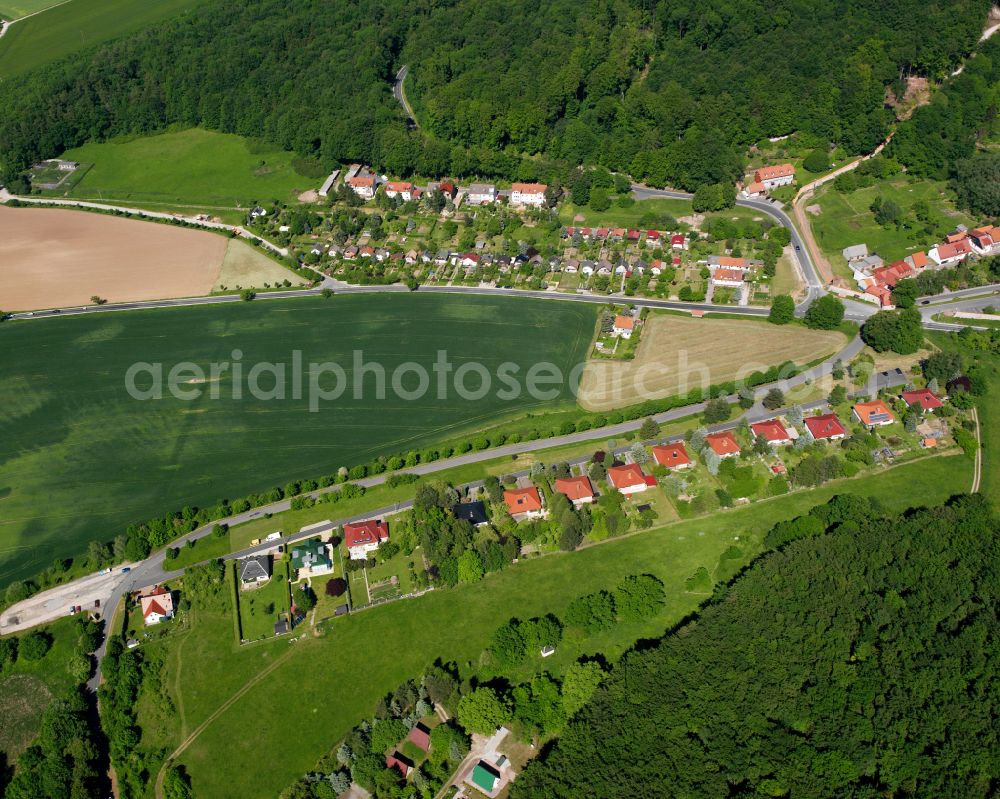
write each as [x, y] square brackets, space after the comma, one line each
[311, 557]
[485, 777]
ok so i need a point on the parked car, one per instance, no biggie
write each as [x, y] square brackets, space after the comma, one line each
[126, 569]
[97, 603]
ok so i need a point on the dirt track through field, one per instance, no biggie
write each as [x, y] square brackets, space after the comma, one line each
[52, 258]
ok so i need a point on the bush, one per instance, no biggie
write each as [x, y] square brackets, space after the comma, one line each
[35, 645]
[336, 586]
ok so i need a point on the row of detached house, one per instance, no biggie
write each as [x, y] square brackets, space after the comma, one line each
[877, 280]
[366, 183]
[677, 241]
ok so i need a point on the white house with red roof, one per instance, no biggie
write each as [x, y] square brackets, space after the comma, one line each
[624, 325]
[524, 503]
[400, 188]
[723, 444]
[754, 189]
[363, 185]
[361, 538]
[773, 432]
[826, 427]
[578, 490]
[950, 253]
[630, 478]
[773, 176]
[985, 240]
[672, 456]
[528, 194]
[157, 606]
[678, 241]
[924, 397]
[873, 414]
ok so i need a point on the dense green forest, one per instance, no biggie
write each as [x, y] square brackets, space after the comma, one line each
[668, 91]
[860, 660]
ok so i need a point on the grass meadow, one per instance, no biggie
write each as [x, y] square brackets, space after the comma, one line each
[15, 9]
[394, 642]
[75, 25]
[27, 687]
[82, 459]
[846, 219]
[195, 168]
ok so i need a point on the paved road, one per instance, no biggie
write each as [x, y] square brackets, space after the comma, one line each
[6, 196]
[814, 284]
[344, 288]
[400, 94]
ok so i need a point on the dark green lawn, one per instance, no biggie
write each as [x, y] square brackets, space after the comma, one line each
[82, 459]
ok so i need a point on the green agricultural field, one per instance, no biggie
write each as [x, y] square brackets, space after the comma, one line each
[76, 25]
[846, 219]
[83, 459]
[15, 9]
[395, 642]
[194, 169]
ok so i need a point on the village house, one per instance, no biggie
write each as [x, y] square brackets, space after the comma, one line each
[528, 194]
[723, 444]
[255, 571]
[728, 271]
[363, 185]
[623, 326]
[950, 254]
[578, 490]
[311, 558]
[472, 512]
[873, 414]
[672, 456]
[630, 478]
[399, 762]
[524, 503]
[985, 240]
[924, 397]
[773, 176]
[753, 190]
[399, 188]
[773, 432]
[678, 241]
[855, 252]
[157, 606]
[362, 538]
[481, 194]
[826, 427]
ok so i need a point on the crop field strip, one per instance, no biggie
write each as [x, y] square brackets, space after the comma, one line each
[104, 460]
[68, 27]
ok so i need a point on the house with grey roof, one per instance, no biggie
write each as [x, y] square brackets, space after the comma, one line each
[255, 571]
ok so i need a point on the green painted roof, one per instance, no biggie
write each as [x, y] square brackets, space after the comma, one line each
[307, 555]
[484, 777]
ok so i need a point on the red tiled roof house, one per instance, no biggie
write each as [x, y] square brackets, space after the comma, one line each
[630, 478]
[924, 397]
[360, 538]
[525, 503]
[578, 490]
[723, 444]
[773, 432]
[672, 456]
[825, 428]
[873, 414]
